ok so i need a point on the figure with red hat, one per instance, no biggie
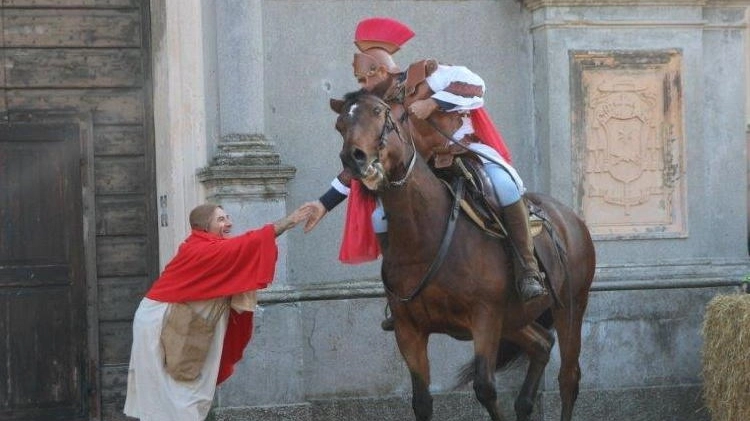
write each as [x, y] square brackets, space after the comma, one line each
[428, 90]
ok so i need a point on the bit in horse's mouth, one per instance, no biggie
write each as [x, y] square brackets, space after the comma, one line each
[373, 175]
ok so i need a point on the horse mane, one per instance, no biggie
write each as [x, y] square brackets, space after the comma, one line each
[354, 96]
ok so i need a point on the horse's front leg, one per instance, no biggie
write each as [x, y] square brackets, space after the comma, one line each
[486, 342]
[413, 346]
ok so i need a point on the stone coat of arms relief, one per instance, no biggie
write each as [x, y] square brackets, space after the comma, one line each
[628, 135]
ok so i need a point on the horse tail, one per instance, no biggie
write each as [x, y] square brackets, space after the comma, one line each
[507, 354]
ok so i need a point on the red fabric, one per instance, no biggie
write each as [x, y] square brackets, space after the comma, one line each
[207, 266]
[486, 131]
[359, 244]
[390, 32]
[241, 324]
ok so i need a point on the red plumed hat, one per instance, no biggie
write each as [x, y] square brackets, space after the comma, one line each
[386, 33]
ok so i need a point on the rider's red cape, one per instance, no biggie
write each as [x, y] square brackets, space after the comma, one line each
[486, 131]
[207, 266]
[359, 244]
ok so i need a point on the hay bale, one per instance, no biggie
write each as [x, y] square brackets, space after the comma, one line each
[726, 357]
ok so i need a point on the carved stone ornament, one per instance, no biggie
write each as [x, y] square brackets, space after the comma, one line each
[628, 143]
[246, 166]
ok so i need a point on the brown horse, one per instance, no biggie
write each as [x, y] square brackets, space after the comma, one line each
[463, 286]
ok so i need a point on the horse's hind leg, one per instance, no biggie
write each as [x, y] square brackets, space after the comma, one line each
[568, 322]
[413, 347]
[486, 344]
[537, 342]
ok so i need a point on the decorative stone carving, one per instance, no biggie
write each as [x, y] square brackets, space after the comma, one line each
[245, 166]
[628, 143]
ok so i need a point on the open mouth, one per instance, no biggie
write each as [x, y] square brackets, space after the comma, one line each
[373, 176]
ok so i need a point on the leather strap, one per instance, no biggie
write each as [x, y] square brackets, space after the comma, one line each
[417, 73]
[458, 187]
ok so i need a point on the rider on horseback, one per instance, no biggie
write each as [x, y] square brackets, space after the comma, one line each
[449, 91]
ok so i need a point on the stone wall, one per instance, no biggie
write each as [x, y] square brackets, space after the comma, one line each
[631, 112]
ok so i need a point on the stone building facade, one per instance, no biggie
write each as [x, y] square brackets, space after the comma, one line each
[633, 112]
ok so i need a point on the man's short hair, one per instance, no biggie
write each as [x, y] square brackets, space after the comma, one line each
[200, 217]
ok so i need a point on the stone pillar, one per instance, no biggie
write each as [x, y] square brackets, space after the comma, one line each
[248, 180]
[239, 39]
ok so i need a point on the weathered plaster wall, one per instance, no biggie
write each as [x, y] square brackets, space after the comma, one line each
[318, 352]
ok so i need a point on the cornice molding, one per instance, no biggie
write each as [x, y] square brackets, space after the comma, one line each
[700, 273]
[537, 4]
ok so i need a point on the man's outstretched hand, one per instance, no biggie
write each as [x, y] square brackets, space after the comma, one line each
[317, 212]
[290, 221]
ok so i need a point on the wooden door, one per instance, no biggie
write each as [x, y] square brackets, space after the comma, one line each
[43, 349]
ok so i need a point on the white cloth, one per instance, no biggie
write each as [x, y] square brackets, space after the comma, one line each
[340, 187]
[487, 154]
[152, 394]
[444, 75]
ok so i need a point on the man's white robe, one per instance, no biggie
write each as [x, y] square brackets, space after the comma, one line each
[152, 394]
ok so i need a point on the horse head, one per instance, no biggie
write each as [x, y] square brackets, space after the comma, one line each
[375, 148]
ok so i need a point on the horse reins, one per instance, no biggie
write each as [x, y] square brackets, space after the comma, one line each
[450, 139]
[444, 246]
[450, 228]
[390, 124]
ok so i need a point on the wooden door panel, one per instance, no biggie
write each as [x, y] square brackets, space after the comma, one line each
[43, 366]
[42, 274]
[31, 212]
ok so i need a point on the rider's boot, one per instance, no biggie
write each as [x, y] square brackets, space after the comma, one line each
[387, 324]
[529, 283]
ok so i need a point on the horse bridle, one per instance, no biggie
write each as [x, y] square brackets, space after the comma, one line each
[388, 126]
[450, 228]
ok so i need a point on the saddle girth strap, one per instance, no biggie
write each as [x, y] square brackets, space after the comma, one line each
[445, 243]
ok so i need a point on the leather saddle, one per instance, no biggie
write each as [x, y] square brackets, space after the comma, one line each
[480, 202]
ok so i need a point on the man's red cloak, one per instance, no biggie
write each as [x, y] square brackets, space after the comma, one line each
[207, 266]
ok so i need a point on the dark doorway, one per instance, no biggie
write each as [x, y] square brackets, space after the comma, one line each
[43, 298]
